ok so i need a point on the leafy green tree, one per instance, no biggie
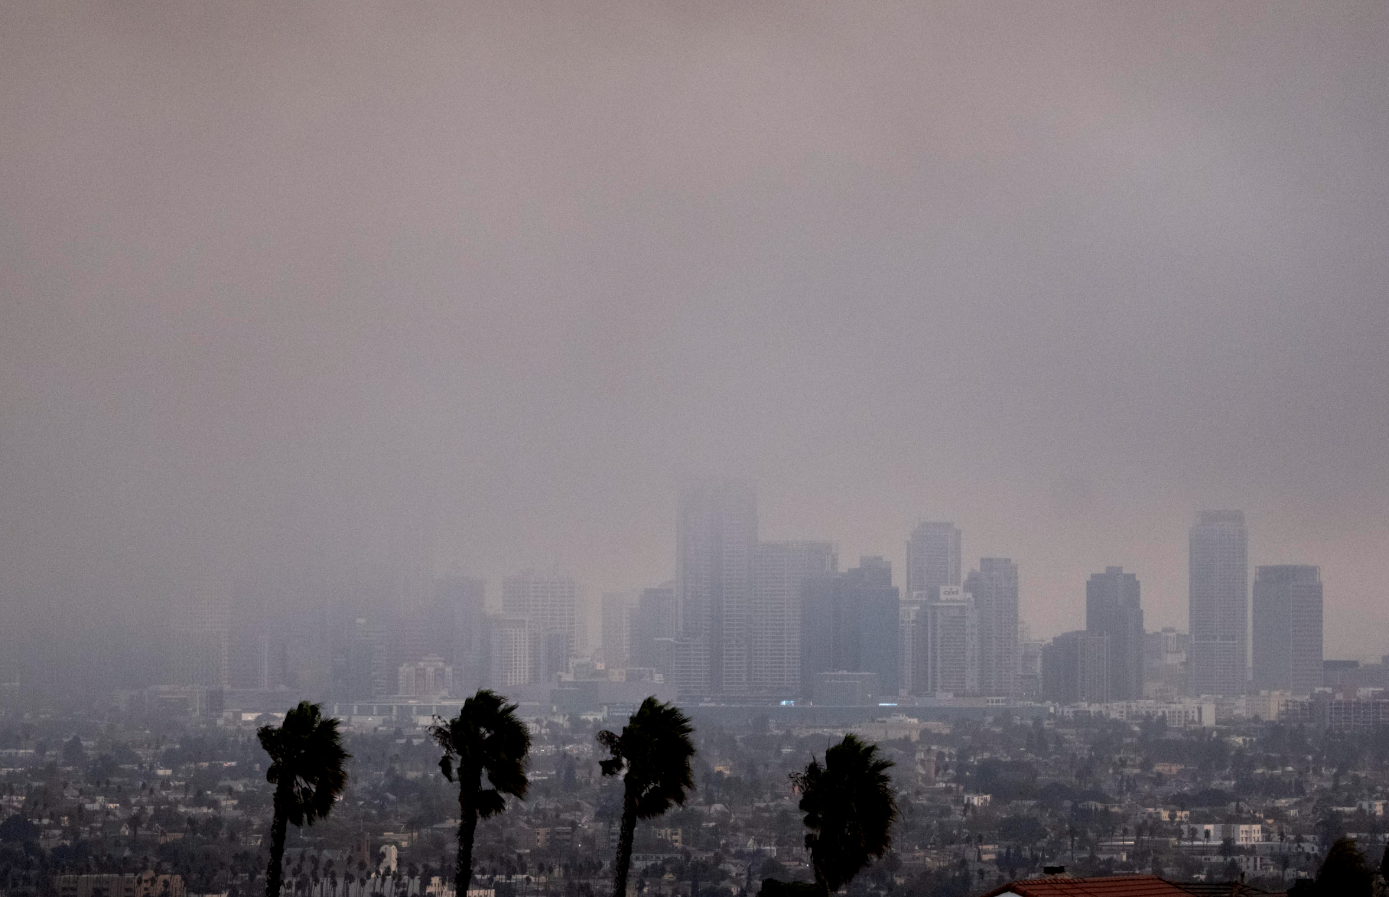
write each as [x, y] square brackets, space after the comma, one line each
[485, 739]
[653, 757]
[1344, 873]
[306, 768]
[849, 808]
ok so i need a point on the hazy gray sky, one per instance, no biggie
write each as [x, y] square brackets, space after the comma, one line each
[292, 288]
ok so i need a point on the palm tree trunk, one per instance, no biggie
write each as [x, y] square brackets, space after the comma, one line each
[277, 850]
[467, 830]
[624, 845]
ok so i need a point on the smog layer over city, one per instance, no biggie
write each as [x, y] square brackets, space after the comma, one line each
[694, 450]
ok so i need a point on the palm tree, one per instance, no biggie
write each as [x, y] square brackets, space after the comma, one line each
[653, 757]
[849, 808]
[485, 738]
[306, 768]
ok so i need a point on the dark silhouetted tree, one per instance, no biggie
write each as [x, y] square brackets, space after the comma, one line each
[485, 739]
[1344, 873]
[849, 808]
[306, 768]
[73, 752]
[653, 757]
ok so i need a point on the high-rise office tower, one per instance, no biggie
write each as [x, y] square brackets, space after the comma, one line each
[549, 602]
[411, 634]
[949, 644]
[911, 648]
[933, 559]
[200, 651]
[509, 653]
[1029, 667]
[653, 619]
[1288, 627]
[715, 532]
[461, 603]
[1112, 609]
[260, 632]
[617, 608]
[994, 587]
[1219, 609]
[1075, 667]
[1166, 647]
[849, 624]
[1165, 667]
[367, 665]
[774, 612]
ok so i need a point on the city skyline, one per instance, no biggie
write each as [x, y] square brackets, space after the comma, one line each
[1063, 279]
[790, 617]
[771, 632]
[694, 449]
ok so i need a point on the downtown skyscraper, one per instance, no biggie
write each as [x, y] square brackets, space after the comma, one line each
[933, 559]
[1288, 627]
[715, 533]
[1112, 609]
[548, 602]
[850, 624]
[945, 644]
[933, 565]
[1219, 604]
[779, 573]
[994, 587]
[1076, 667]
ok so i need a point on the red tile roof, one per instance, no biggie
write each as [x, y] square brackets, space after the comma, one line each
[1112, 886]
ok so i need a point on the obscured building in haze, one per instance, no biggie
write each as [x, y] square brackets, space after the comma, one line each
[1165, 663]
[994, 587]
[933, 559]
[1112, 609]
[716, 531]
[779, 571]
[1288, 628]
[616, 610]
[911, 647]
[549, 603]
[200, 649]
[510, 658]
[462, 607]
[1219, 604]
[1075, 668]
[842, 688]
[1029, 666]
[653, 627]
[426, 677]
[949, 655]
[849, 624]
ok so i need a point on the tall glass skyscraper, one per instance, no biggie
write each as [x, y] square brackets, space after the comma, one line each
[1288, 627]
[947, 658]
[933, 559]
[995, 589]
[715, 533]
[933, 563]
[1219, 608]
[549, 603]
[779, 571]
[849, 624]
[1112, 609]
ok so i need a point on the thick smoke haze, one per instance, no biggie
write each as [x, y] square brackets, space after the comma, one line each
[293, 296]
